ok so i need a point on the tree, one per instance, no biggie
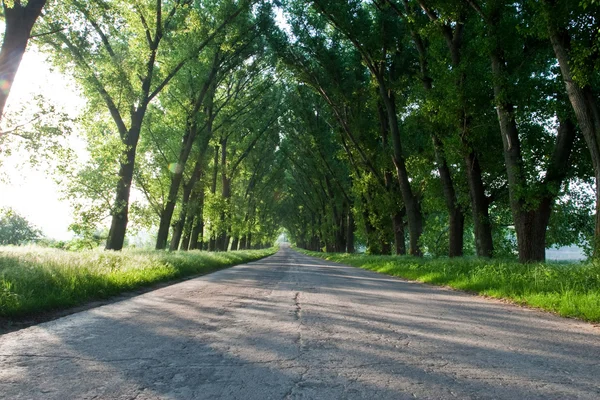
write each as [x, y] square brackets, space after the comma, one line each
[576, 44]
[19, 18]
[15, 229]
[129, 68]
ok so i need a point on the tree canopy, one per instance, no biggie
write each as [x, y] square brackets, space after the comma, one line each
[436, 127]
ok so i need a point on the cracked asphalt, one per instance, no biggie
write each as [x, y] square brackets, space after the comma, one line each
[295, 327]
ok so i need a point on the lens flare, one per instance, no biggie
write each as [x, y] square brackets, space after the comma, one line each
[174, 168]
[4, 86]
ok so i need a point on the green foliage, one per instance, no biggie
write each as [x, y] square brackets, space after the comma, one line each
[34, 280]
[15, 229]
[298, 119]
[571, 290]
[39, 130]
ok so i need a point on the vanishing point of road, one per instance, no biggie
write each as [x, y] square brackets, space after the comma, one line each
[295, 327]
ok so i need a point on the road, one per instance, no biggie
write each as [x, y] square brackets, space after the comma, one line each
[295, 327]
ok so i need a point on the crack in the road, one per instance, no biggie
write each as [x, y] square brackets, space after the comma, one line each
[296, 383]
[298, 310]
[299, 342]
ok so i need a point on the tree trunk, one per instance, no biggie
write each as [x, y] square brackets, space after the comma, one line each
[530, 224]
[484, 244]
[350, 227]
[398, 226]
[455, 214]
[413, 207]
[341, 234]
[235, 244]
[372, 242]
[512, 159]
[198, 231]
[18, 22]
[196, 239]
[176, 179]
[225, 242]
[385, 245]
[222, 239]
[585, 105]
[329, 248]
[120, 212]
[190, 221]
[179, 225]
[213, 189]
[187, 233]
[188, 189]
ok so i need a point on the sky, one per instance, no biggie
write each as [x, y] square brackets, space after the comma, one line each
[32, 192]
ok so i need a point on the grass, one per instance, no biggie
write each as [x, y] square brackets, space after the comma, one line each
[35, 280]
[571, 290]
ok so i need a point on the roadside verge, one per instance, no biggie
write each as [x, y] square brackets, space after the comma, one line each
[40, 284]
[570, 290]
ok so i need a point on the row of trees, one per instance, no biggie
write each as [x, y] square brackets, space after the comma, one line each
[470, 123]
[413, 126]
[180, 122]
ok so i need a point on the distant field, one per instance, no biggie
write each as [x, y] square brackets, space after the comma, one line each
[34, 280]
[569, 289]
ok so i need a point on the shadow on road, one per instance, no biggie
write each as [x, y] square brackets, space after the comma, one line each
[291, 326]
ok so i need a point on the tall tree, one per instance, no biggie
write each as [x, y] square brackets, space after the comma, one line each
[143, 29]
[19, 18]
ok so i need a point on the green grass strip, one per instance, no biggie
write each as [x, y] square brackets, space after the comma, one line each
[35, 280]
[571, 290]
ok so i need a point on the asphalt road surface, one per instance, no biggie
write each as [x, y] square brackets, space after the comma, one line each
[294, 327]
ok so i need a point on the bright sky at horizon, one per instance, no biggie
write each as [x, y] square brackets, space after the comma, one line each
[32, 192]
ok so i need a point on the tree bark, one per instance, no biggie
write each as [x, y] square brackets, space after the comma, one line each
[350, 227]
[534, 222]
[585, 106]
[455, 214]
[411, 203]
[18, 23]
[249, 240]
[198, 231]
[167, 214]
[385, 245]
[372, 243]
[213, 189]
[341, 234]
[482, 226]
[120, 212]
[179, 224]
[187, 232]
[398, 226]
[222, 239]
